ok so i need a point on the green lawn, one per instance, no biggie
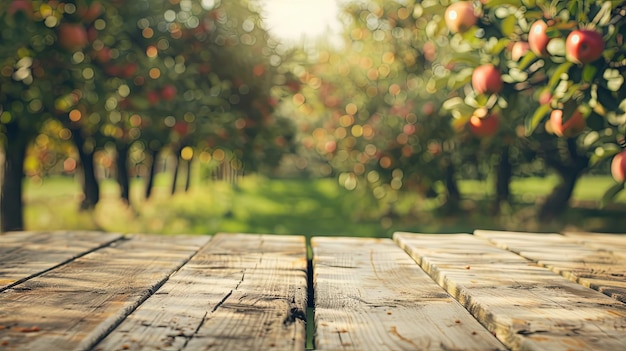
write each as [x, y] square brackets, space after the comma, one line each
[304, 206]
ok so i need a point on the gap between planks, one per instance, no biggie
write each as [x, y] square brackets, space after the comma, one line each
[240, 292]
[370, 295]
[528, 307]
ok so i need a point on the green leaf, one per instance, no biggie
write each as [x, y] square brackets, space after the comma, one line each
[611, 193]
[589, 71]
[471, 60]
[498, 46]
[556, 47]
[460, 79]
[572, 96]
[536, 118]
[529, 3]
[508, 25]
[556, 75]
[452, 103]
[498, 3]
[603, 16]
[603, 152]
[529, 58]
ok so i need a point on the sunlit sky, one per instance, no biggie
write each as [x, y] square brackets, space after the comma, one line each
[292, 21]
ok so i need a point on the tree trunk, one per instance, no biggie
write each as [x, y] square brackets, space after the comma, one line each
[188, 176]
[504, 173]
[176, 164]
[153, 170]
[11, 202]
[91, 188]
[557, 202]
[570, 170]
[454, 194]
[122, 171]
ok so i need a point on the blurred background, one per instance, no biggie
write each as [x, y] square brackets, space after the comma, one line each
[314, 117]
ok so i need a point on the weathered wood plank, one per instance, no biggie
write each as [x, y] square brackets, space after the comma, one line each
[598, 269]
[240, 292]
[615, 243]
[21, 255]
[526, 306]
[73, 306]
[370, 295]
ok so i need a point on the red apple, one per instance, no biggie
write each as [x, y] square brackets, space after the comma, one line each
[430, 51]
[484, 126]
[72, 36]
[103, 55]
[572, 127]
[181, 128]
[204, 68]
[519, 49]
[168, 92]
[293, 86]
[584, 46]
[545, 97]
[92, 34]
[487, 79]
[428, 108]
[460, 16]
[618, 167]
[153, 97]
[112, 70]
[129, 70]
[24, 6]
[272, 101]
[330, 146]
[91, 13]
[538, 39]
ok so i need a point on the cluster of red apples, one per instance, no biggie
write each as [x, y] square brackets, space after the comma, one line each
[582, 46]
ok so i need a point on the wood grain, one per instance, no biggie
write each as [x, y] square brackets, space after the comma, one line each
[526, 306]
[370, 295]
[615, 243]
[240, 292]
[575, 259]
[74, 305]
[21, 253]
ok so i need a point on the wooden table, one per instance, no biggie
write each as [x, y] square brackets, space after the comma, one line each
[486, 291]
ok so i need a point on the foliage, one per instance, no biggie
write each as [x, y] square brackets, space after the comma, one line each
[538, 82]
[411, 103]
[379, 126]
[198, 76]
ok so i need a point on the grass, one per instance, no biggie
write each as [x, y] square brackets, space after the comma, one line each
[305, 206]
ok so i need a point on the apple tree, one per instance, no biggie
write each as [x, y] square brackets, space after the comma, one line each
[150, 74]
[40, 62]
[380, 128]
[564, 59]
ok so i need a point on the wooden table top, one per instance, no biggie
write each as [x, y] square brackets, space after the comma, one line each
[487, 291]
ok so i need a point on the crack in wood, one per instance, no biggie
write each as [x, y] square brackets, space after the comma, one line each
[293, 315]
[69, 260]
[371, 304]
[530, 332]
[222, 301]
[133, 307]
[189, 337]
[243, 276]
